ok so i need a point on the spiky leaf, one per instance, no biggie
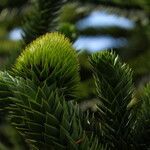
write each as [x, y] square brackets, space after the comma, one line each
[50, 58]
[114, 86]
[46, 120]
[6, 81]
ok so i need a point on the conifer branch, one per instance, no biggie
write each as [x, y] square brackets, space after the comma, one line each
[114, 86]
[42, 20]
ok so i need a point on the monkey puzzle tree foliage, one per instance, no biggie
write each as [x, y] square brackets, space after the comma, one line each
[40, 100]
[42, 95]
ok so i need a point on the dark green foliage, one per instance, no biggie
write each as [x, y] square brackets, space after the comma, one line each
[114, 87]
[69, 30]
[42, 20]
[134, 4]
[45, 119]
[12, 4]
[5, 92]
[38, 96]
[36, 110]
[142, 126]
[9, 50]
[10, 139]
[87, 86]
[85, 66]
[141, 64]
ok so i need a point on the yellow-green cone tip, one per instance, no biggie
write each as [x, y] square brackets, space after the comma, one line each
[50, 57]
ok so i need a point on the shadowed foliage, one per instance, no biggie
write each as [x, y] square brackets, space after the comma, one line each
[39, 99]
[42, 20]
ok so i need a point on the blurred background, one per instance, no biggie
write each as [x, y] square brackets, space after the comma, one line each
[91, 25]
